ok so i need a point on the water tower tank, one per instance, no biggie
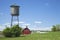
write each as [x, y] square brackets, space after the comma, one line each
[14, 10]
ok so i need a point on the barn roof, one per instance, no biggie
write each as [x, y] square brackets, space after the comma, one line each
[26, 28]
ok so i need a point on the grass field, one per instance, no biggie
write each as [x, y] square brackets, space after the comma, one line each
[36, 36]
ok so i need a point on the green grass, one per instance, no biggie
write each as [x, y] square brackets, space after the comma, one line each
[36, 36]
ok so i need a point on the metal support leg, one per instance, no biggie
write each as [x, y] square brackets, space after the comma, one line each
[11, 21]
[18, 19]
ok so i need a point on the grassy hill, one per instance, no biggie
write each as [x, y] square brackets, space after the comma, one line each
[36, 36]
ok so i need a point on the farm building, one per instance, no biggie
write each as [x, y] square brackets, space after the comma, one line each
[26, 31]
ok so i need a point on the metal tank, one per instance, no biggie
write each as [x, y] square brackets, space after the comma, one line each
[14, 10]
[14, 14]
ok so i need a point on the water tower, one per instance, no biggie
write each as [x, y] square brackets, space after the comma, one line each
[14, 14]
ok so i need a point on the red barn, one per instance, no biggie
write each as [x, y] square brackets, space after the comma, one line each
[26, 31]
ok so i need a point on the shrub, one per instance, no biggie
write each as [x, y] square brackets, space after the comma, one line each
[7, 32]
[16, 30]
[13, 31]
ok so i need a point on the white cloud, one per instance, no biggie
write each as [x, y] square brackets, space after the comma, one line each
[17, 22]
[26, 24]
[23, 26]
[45, 28]
[38, 22]
[21, 22]
[41, 28]
[2, 27]
[7, 24]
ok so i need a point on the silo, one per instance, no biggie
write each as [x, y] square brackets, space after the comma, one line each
[14, 13]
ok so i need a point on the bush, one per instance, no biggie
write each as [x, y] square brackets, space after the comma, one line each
[16, 30]
[13, 31]
[7, 32]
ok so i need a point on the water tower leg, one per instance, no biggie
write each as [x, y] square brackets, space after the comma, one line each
[18, 19]
[11, 21]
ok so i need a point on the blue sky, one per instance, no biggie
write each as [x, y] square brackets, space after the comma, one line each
[37, 14]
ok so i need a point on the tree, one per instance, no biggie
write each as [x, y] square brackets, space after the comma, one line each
[56, 27]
